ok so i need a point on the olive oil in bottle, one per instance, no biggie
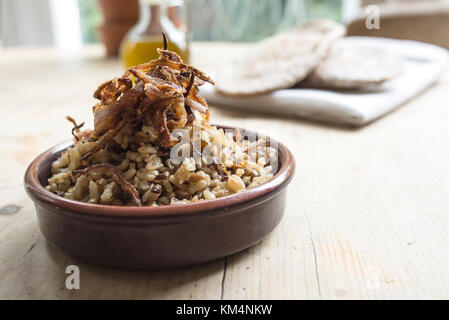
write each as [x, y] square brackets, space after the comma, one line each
[140, 44]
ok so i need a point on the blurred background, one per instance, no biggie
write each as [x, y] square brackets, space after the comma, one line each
[71, 23]
[359, 186]
[64, 22]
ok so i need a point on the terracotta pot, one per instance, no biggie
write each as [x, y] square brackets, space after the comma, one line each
[112, 34]
[119, 10]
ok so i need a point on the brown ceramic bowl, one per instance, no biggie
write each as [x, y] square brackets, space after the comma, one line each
[157, 237]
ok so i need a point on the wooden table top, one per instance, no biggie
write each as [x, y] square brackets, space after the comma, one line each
[367, 214]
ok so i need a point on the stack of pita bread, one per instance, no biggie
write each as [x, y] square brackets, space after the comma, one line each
[306, 56]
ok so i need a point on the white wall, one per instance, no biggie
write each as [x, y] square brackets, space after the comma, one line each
[25, 22]
[40, 23]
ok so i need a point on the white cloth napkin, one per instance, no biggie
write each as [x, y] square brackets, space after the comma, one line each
[423, 65]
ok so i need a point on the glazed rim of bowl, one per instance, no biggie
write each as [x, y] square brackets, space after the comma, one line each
[257, 194]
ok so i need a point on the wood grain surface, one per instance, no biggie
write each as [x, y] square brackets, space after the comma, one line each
[367, 214]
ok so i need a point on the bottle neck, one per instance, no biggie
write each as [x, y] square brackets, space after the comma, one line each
[150, 16]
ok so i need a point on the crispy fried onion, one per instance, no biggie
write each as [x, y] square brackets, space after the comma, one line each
[76, 128]
[112, 171]
[77, 134]
[166, 89]
[103, 140]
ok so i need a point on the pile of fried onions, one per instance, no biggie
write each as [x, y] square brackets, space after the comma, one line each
[164, 92]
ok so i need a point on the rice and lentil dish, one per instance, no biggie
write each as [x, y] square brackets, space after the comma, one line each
[152, 144]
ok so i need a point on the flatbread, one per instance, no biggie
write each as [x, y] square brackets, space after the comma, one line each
[355, 67]
[280, 61]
